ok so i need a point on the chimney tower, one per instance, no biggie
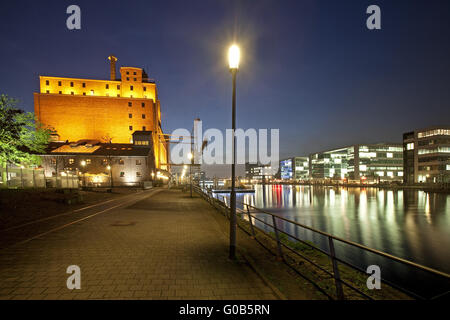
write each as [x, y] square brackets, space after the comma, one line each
[113, 60]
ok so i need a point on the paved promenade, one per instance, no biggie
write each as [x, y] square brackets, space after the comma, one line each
[160, 244]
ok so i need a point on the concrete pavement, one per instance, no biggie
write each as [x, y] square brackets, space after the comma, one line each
[158, 245]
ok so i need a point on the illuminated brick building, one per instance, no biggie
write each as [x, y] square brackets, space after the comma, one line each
[109, 111]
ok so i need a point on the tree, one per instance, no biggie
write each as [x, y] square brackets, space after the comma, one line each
[21, 137]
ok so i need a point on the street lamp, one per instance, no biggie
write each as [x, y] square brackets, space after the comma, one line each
[110, 176]
[234, 55]
[83, 164]
[190, 157]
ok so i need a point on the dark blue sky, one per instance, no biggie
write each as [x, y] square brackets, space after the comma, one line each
[310, 68]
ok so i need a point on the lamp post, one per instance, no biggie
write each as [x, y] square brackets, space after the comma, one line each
[233, 59]
[110, 176]
[83, 164]
[190, 157]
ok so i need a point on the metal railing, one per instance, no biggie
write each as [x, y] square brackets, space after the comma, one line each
[250, 212]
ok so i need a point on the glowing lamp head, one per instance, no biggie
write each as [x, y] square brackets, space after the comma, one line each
[108, 167]
[190, 156]
[234, 55]
[83, 163]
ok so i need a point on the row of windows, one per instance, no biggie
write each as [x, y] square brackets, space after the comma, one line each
[130, 104]
[107, 94]
[435, 132]
[144, 128]
[442, 167]
[103, 161]
[435, 150]
[47, 83]
[138, 174]
[131, 116]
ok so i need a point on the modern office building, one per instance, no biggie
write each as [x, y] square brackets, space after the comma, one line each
[257, 173]
[296, 168]
[427, 155]
[359, 163]
[108, 111]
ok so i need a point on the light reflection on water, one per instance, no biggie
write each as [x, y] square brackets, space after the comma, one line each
[410, 224]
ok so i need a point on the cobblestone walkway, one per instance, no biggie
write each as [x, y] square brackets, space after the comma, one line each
[167, 246]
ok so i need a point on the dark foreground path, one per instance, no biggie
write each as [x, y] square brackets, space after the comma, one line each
[163, 245]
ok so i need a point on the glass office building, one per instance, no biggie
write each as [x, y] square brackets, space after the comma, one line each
[296, 168]
[427, 155]
[359, 163]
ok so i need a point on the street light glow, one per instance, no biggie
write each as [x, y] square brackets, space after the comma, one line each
[190, 156]
[83, 163]
[234, 54]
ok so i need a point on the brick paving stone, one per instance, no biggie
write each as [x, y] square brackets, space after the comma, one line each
[175, 249]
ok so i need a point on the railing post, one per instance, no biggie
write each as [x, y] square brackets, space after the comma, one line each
[251, 223]
[280, 253]
[337, 278]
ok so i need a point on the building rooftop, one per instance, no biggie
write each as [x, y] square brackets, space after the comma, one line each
[98, 149]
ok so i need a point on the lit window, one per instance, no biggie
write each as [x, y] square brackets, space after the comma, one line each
[121, 162]
[88, 161]
[363, 167]
[71, 161]
[410, 146]
[92, 92]
[389, 155]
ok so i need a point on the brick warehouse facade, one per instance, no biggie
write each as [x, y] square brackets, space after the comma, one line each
[105, 110]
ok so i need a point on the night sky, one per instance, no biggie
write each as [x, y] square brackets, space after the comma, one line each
[310, 68]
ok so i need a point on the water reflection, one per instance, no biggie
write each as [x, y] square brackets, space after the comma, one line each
[410, 224]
